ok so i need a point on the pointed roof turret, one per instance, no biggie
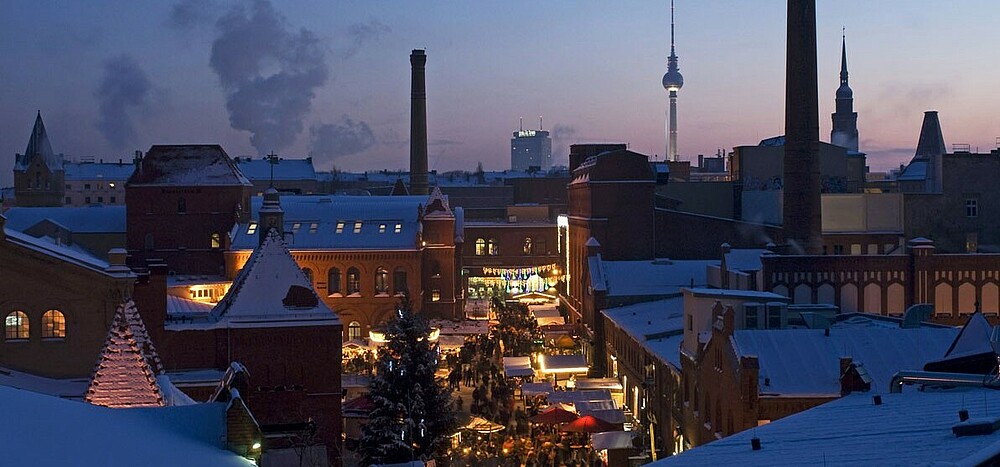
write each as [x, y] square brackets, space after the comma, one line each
[844, 92]
[124, 376]
[931, 142]
[39, 147]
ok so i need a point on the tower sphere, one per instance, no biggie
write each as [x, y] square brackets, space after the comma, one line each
[672, 80]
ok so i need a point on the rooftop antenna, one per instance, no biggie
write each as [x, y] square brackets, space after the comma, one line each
[520, 123]
[540, 127]
[272, 159]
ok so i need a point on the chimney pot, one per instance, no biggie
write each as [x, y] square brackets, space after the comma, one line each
[755, 443]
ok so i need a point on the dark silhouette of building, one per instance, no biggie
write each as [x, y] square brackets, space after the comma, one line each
[845, 119]
[418, 123]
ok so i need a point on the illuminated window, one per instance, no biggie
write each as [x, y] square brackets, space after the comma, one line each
[399, 228]
[53, 324]
[357, 227]
[252, 228]
[313, 227]
[492, 247]
[16, 326]
[333, 281]
[399, 281]
[216, 240]
[435, 295]
[480, 247]
[296, 226]
[112, 184]
[381, 228]
[527, 245]
[309, 274]
[354, 331]
[381, 281]
[353, 281]
[340, 227]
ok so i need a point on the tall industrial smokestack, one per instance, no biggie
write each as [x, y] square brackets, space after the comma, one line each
[418, 124]
[802, 217]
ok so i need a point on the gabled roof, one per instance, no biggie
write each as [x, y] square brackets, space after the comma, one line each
[270, 291]
[805, 361]
[123, 376]
[326, 212]
[39, 147]
[187, 165]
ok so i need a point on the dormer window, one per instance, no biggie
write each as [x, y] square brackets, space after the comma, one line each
[295, 227]
[313, 227]
[340, 227]
[399, 228]
[252, 228]
[357, 227]
[381, 228]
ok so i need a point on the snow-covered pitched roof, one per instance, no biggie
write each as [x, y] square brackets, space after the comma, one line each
[187, 165]
[974, 338]
[270, 291]
[79, 171]
[916, 170]
[90, 219]
[125, 375]
[908, 428]
[64, 253]
[185, 306]
[39, 146]
[284, 169]
[74, 388]
[311, 223]
[658, 326]
[45, 430]
[657, 277]
[805, 361]
[745, 259]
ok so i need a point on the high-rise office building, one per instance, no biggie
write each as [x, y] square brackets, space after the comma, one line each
[530, 148]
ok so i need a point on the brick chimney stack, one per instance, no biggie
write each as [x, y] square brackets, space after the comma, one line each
[418, 124]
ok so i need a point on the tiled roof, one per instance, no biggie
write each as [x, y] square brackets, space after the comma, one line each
[123, 376]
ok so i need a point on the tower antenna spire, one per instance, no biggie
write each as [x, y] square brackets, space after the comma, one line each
[671, 27]
[520, 125]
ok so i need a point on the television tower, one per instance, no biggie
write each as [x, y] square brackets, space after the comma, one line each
[672, 82]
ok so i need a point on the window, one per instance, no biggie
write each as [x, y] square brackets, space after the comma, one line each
[69, 200]
[540, 248]
[53, 324]
[773, 316]
[480, 247]
[182, 205]
[527, 245]
[86, 200]
[399, 281]
[333, 281]
[309, 274]
[381, 281]
[16, 326]
[750, 315]
[340, 227]
[100, 199]
[435, 295]
[112, 200]
[295, 227]
[149, 241]
[69, 187]
[971, 207]
[399, 228]
[357, 227]
[838, 249]
[313, 227]
[492, 247]
[354, 331]
[86, 186]
[381, 228]
[111, 185]
[216, 240]
[971, 242]
[353, 281]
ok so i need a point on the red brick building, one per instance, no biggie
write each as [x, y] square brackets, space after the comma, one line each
[181, 203]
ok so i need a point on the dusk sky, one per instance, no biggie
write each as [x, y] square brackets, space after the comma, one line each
[331, 78]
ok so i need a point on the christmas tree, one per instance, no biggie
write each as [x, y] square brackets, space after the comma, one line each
[413, 416]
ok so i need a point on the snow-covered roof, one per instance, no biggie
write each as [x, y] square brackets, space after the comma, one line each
[90, 219]
[80, 171]
[908, 428]
[284, 169]
[270, 291]
[39, 146]
[658, 326]
[973, 339]
[125, 375]
[187, 165]
[735, 293]
[916, 171]
[657, 277]
[45, 430]
[805, 361]
[66, 388]
[181, 306]
[312, 223]
[63, 253]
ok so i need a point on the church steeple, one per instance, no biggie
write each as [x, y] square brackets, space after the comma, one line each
[845, 119]
[38, 173]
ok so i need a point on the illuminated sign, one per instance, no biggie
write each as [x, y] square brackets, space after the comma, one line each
[525, 133]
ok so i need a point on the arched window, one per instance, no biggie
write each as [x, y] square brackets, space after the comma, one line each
[309, 274]
[16, 326]
[527, 245]
[181, 205]
[399, 281]
[216, 240]
[492, 247]
[381, 281]
[333, 281]
[353, 331]
[480, 247]
[353, 281]
[53, 324]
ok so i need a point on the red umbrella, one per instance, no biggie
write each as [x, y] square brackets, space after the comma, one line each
[589, 424]
[554, 415]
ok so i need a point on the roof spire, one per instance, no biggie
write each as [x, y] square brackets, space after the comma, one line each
[671, 28]
[843, 57]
